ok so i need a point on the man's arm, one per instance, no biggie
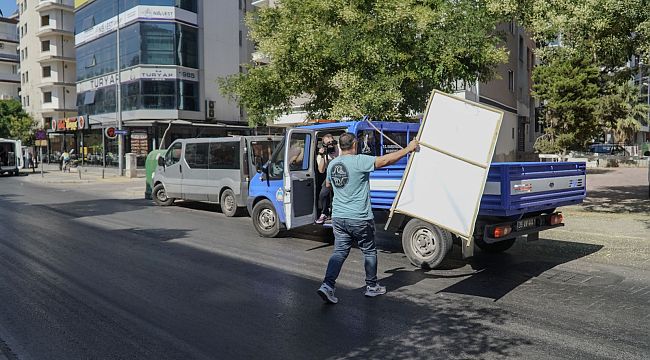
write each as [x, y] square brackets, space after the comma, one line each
[390, 159]
[322, 163]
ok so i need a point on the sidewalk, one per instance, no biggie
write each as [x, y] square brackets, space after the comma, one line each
[80, 174]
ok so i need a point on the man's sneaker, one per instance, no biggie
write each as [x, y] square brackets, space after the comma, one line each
[372, 291]
[327, 293]
[321, 219]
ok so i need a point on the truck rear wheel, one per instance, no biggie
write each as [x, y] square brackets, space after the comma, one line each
[265, 219]
[424, 244]
[160, 196]
[496, 247]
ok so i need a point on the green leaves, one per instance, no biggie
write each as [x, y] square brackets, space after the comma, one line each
[359, 57]
[14, 122]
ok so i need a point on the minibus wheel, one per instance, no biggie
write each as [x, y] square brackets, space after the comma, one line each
[265, 219]
[424, 244]
[228, 203]
[160, 196]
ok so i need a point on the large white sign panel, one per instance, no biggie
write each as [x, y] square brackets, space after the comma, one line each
[444, 181]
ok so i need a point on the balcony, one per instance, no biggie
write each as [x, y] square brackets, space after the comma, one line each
[12, 58]
[48, 82]
[45, 5]
[49, 31]
[54, 107]
[12, 78]
[47, 58]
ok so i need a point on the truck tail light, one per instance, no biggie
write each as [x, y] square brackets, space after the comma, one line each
[501, 231]
[557, 219]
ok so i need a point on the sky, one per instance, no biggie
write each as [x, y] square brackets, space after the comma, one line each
[8, 7]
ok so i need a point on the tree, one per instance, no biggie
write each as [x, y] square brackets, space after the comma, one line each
[15, 123]
[569, 85]
[360, 57]
[621, 112]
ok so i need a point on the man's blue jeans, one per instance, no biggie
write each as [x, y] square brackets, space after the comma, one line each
[346, 232]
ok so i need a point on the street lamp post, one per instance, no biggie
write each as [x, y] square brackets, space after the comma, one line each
[120, 137]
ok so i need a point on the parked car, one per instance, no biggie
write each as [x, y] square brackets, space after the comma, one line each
[211, 169]
[607, 149]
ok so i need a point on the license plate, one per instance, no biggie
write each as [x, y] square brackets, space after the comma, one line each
[526, 224]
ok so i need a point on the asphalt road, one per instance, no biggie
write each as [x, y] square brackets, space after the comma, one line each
[89, 271]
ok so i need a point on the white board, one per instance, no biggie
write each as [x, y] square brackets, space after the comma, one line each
[444, 181]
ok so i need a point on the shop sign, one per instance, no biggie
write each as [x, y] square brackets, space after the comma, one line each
[70, 124]
[40, 135]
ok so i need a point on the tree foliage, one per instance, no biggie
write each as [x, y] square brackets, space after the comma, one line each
[603, 35]
[569, 84]
[15, 123]
[365, 57]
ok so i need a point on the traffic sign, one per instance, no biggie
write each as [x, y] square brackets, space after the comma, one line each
[110, 132]
[121, 132]
[40, 135]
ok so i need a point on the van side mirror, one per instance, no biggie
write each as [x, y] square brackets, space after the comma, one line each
[161, 161]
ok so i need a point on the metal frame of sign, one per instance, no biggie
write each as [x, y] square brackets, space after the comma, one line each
[467, 237]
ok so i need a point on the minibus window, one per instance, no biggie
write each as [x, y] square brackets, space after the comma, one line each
[224, 155]
[196, 155]
[276, 165]
[173, 154]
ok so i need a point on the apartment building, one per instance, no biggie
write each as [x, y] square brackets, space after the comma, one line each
[510, 92]
[9, 60]
[47, 61]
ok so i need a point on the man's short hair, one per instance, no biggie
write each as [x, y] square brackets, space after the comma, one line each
[346, 141]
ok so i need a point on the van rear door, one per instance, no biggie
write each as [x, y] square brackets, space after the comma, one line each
[299, 182]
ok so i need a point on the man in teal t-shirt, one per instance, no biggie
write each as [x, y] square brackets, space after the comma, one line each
[352, 217]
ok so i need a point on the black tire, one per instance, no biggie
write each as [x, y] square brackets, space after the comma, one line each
[265, 219]
[424, 244]
[228, 203]
[160, 196]
[16, 172]
[496, 247]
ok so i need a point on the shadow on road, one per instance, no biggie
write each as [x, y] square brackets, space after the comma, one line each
[498, 274]
[618, 199]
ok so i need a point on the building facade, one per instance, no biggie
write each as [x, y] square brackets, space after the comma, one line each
[510, 92]
[47, 64]
[9, 60]
[165, 69]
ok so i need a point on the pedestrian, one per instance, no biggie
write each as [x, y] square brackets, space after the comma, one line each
[352, 217]
[326, 153]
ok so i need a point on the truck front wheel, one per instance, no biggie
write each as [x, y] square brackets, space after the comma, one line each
[265, 219]
[496, 247]
[425, 245]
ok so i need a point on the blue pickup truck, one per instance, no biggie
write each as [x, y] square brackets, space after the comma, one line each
[519, 199]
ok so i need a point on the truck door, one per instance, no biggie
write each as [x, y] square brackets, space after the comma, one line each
[299, 182]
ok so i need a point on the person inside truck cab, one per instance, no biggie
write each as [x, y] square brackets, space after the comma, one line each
[296, 154]
[328, 151]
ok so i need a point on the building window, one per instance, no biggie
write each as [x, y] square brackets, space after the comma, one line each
[521, 48]
[27, 97]
[25, 53]
[47, 120]
[47, 97]
[45, 45]
[26, 76]
[158, 94]
[188, 95]
[240, 39]
[97, 58]
[45, 20]
[511, 81]
[47, 71]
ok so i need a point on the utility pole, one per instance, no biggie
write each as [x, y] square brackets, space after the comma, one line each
[118, 93]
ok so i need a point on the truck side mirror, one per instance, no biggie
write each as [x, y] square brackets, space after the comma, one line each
[161, 161]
